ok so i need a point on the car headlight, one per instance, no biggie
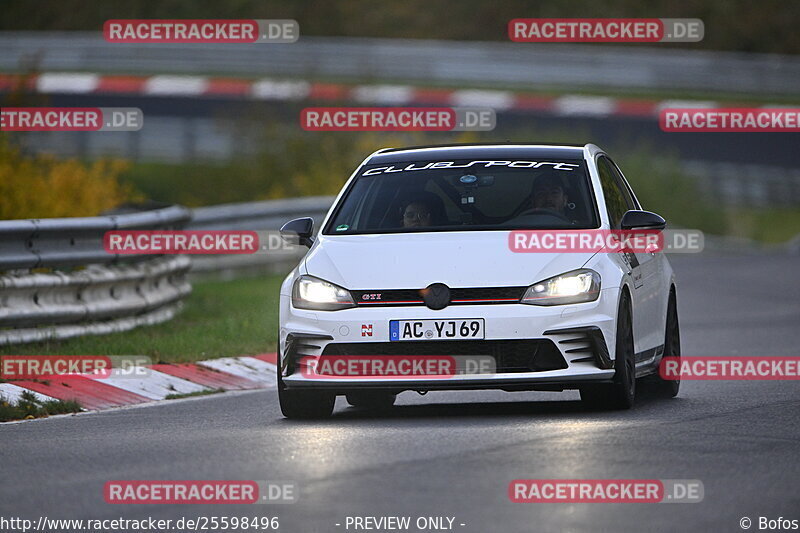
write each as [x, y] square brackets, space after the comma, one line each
[309, 292]
[570, 288]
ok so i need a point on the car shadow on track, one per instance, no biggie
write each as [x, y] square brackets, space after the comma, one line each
[647, 399]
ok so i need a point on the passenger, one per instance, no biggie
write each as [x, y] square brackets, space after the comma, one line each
[422, 210]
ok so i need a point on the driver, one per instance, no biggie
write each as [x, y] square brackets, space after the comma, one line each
[549, 193]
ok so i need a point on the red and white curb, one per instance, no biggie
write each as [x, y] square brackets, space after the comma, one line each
[296, 90]
[161, 380]
[13, 393]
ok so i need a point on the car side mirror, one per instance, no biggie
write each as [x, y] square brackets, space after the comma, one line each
[299, 231]
[642, 220]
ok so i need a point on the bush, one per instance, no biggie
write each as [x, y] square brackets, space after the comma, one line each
[43, 186]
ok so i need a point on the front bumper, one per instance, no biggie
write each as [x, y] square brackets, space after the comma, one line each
[581, 334]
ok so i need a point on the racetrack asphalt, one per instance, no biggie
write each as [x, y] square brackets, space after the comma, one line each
[455, 453]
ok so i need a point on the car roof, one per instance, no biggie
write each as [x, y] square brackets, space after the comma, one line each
[478, 151]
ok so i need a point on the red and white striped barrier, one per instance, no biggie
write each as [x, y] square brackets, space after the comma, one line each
[286, 90]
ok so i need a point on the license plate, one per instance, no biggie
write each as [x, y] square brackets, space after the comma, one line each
[428, 330]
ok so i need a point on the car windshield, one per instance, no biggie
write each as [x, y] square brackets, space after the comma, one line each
[465, 195]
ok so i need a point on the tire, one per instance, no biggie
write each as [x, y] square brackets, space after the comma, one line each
[620, 394]
[371, 399]
[672, 348]
[304, 404]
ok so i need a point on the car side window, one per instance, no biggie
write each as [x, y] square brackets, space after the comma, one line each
[616, 201]
[626, 190]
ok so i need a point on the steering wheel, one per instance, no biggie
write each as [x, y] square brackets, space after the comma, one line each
[541, 211]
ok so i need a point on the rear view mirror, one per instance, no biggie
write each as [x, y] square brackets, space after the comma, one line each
[299, 231]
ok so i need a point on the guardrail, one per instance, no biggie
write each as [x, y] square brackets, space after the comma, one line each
[66, 242]
[443, 62]
[266, 216]
[59, 282]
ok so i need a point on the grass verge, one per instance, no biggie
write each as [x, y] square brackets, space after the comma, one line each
[772, 226]
[28, 407]
[221, 319]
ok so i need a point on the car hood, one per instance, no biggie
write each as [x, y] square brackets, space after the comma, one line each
[411, 261]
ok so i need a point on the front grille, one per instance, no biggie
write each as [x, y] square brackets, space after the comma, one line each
[527, 355]
[467, 296]
[487, 295]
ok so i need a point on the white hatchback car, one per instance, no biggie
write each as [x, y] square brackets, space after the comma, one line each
[414, 261]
